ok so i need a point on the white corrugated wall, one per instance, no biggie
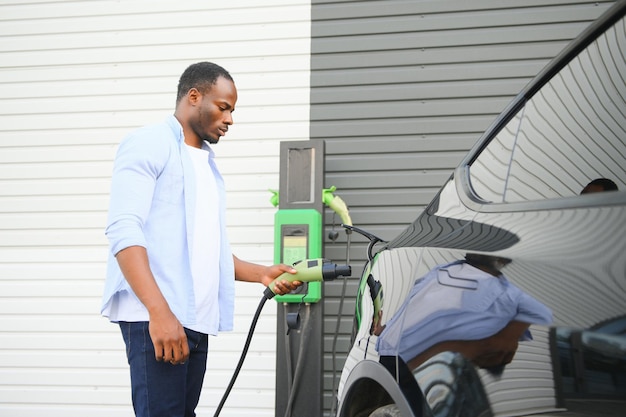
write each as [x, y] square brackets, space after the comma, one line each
[75, 76]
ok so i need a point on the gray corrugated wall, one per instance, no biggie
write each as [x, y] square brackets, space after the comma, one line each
[400, 90]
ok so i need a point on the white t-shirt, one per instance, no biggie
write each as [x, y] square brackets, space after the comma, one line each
[205, 250]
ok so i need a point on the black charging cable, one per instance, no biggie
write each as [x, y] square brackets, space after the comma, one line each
[342, 297]
[255, 319]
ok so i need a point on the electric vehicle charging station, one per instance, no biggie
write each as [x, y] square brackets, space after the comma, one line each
[298, 235]
[298, 241]
[298, 223]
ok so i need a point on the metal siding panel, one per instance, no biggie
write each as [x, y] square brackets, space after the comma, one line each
[352, 9]
[426, 107]
[419, 19]
[75, 77]
[457, 38]
[400, 90]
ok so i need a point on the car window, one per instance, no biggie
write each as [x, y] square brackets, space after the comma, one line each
[572, 131]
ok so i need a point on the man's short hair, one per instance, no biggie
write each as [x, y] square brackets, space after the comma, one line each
[201, 76]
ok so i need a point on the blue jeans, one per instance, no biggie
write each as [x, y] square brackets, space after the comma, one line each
[160, 389]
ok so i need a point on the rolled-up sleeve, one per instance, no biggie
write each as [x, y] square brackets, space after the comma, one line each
[138, 164]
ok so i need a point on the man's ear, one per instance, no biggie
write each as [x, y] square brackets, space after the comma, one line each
[194, 96]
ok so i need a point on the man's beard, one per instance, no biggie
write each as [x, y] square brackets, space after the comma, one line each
[209, 139]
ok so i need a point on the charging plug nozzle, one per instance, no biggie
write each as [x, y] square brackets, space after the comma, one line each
[310, 270]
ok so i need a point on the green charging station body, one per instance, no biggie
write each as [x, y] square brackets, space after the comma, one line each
[298, 236]
[298, 229]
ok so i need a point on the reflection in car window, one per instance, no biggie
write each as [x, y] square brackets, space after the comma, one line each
[569, 133]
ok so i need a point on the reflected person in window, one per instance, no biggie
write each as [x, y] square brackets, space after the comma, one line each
[466, 306]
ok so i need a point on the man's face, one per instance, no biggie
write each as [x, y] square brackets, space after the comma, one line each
[214, 111]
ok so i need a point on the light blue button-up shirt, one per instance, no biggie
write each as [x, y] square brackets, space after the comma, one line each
[457, 301]
[152, 204]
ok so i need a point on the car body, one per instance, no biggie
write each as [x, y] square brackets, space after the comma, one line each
[517, 196]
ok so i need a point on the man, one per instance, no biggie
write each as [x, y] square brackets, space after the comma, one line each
[170, 277]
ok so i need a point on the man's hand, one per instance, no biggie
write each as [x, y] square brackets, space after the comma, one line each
[169, 338]
[282, 286]
[166, 332]
[251, 272]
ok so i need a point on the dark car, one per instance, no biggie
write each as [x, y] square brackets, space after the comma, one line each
[507, 295]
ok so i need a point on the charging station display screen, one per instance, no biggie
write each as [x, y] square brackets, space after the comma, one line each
[294, 249]
[294, 241]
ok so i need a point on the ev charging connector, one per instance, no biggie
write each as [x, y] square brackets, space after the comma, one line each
[311, 270]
